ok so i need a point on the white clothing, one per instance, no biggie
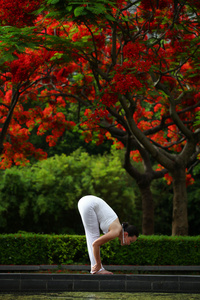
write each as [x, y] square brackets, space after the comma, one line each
[95, 212]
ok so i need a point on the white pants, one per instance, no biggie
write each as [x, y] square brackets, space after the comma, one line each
[91, 226]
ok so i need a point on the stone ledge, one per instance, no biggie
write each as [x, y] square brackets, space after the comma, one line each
[32, 282]
[109, 267]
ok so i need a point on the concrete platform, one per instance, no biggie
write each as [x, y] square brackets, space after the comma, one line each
[34, 282]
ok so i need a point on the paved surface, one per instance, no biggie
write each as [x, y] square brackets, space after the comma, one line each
[27, 282]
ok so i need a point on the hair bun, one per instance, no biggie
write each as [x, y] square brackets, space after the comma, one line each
[125, 225]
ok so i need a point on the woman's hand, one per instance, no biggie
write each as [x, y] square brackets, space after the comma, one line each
[96, 268]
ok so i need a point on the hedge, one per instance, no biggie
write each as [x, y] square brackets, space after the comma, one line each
[36, 249]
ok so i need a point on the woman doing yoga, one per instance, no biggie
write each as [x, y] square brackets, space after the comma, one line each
[96, 213]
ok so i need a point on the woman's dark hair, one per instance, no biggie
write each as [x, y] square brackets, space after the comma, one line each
[131, 229]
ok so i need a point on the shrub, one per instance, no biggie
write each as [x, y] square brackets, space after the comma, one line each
[43, 197]
[35, 249]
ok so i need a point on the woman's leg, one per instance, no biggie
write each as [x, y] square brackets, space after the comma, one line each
[90, 223]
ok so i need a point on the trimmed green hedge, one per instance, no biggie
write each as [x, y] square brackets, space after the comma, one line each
[36, 249]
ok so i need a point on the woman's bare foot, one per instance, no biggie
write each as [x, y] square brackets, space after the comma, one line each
[104, 272]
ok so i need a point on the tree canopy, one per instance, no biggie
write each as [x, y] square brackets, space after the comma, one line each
[130, 67]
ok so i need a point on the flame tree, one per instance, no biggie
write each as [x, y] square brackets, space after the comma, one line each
[132, 68]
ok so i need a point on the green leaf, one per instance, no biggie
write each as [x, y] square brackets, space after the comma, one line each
[109, 17]
[52, 1]
[79, 11]
[78, 77]
[197, 121]
[57, 56]
[97, 9]
[69, 8]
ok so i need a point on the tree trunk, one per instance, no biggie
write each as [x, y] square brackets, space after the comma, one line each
[147, 210]
[180, 217]
[6, 124]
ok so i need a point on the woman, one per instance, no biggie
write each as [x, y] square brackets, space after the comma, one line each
[96, 212]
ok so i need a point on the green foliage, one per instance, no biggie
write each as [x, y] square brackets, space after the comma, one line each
[17, 39]
[24, 249]
[79, 9]
[43, 197]
[65, 249]
[165, 250]
[14, 188]
[197, 122]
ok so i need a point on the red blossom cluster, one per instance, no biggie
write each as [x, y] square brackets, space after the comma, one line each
[91, 129]
[63, 73]
[109, 98]
[152, 4]
[189, 179]
[84, 33]
[22, 67]
[126, 83]
[51, 120]
[19, 150]
[94, 77]
[18, 13]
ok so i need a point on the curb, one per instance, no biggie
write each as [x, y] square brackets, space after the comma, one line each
[31, 268]
[31, 282]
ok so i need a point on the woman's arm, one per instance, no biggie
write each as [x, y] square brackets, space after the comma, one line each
[96, 247]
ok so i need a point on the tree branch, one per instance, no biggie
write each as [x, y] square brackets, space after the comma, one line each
[144, 141]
